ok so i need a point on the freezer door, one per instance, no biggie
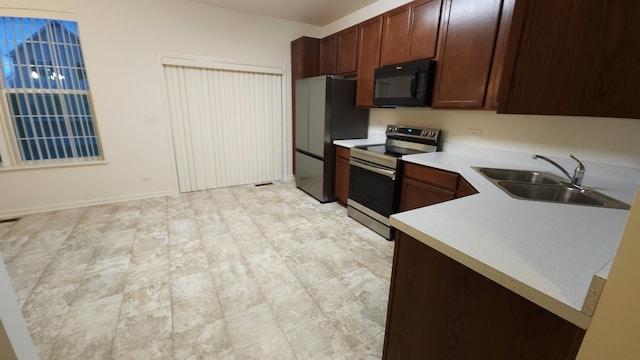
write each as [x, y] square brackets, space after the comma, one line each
[317, 119]
[310, 175]
[302, 114]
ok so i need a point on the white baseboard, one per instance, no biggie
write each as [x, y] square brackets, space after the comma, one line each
[14, 213]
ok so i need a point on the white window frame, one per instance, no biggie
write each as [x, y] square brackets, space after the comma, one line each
[10, 153]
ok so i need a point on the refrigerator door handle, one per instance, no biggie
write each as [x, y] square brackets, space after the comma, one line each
[378, 170]
[310, 154]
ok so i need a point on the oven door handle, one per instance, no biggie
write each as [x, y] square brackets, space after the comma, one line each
[378, 170]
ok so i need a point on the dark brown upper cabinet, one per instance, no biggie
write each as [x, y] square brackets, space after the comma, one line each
[425, 19]
[465, 51]
[395, 35]
[491, 100]
[304, 58]
[347, 59]
[410, 32]
[328, 55]
[573, 57]
[369, 38]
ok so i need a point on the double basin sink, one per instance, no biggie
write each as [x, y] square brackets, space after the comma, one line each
[545, 186]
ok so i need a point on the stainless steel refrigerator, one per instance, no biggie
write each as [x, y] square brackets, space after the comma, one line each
[325, 111]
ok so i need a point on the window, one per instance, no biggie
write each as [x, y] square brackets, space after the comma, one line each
[45, 94]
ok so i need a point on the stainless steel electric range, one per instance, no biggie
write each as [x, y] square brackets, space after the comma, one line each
[375, 175]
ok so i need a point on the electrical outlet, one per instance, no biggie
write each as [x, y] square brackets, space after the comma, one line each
[475, 132]
[147, 179]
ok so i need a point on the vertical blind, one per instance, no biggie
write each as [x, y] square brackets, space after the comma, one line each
[227, 126]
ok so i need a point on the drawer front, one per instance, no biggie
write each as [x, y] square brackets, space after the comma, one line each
[436, 177]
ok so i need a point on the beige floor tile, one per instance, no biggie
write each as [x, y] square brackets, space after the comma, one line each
[252, 326]
[273, 276]
[188, 286]
[45, 331]
[207, 341]
[92, 317]
[235, 273]
[221, 249]
[362, 280]
[357, 324]
[275, 347]
[195, 312]
[294, 309]
[317, 339]
[157, 256]
[331, 295]
[42, 304]
[139, 331]
[152, 294]
[88, 345]
[334, 257]
[157, 350]
[188, 262]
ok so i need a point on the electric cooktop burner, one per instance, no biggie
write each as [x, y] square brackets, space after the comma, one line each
[390, 150]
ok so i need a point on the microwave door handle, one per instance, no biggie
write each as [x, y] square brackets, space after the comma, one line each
[414, 84]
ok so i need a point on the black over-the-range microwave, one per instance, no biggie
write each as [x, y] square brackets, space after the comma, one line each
[406, 84]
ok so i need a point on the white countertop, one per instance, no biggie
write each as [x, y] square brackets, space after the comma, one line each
[555, 255]
[372, 139]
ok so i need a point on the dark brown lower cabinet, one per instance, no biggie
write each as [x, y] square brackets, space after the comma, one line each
[341, 188]
[440, 309]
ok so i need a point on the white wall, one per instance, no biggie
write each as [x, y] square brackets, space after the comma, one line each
[604, 140]
[610, 141]
[123, 41]
[614, 331]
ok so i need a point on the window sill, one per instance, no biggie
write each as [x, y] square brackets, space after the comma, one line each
[51, 166]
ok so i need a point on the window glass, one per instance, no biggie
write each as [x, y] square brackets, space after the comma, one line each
[46, 92]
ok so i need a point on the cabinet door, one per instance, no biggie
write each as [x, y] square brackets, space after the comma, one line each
[369, 36]
[465, 51]
[342, 174]
[435, 302]
[347, 50]
[416, 194]
[491, 101]
[443, 179]
[304, 57]
[328, 47]
[573, 57]
[395, 36]
[464, 188]
[425, 19]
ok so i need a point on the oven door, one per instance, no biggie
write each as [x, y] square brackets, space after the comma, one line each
[372, 189]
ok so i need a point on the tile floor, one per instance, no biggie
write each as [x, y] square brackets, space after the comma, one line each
[247, 272]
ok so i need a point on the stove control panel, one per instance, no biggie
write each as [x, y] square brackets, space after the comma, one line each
[397, 130]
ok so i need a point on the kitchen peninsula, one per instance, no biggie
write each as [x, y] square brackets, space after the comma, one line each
[491, 275]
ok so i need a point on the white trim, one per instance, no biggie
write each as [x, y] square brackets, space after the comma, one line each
[12, 320]
[217, 64]
[37, 13]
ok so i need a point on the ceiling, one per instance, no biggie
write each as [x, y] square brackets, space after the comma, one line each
[314, 12]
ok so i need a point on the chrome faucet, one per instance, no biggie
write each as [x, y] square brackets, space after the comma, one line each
[578, 173]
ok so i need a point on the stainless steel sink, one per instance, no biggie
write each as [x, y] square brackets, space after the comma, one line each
[527, 176]
[548, 187]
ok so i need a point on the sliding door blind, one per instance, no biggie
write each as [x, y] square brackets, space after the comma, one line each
[227, 126]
